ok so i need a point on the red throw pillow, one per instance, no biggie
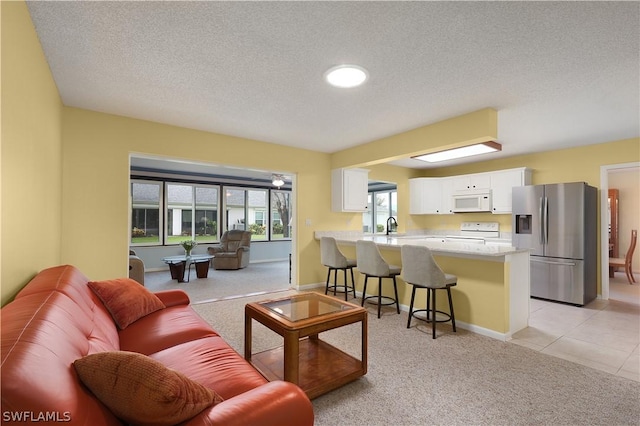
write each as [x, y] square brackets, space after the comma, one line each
[141, 390]
[126, 300]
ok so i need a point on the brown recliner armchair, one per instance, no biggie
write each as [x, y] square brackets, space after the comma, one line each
[233, 250]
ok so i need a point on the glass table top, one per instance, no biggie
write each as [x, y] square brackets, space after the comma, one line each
[183, 258]
[305, 306]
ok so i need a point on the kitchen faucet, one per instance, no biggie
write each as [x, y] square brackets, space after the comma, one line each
[389, 222]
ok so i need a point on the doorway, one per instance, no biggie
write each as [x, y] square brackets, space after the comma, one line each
[618, 287]
[265, 208]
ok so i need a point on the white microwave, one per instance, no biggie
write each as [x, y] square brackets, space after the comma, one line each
[471, 201]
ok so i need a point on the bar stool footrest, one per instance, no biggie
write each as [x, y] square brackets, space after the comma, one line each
[391, 300]
[340, 288]
[446, 314]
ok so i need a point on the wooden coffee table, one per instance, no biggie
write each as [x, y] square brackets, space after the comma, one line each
[314, 365]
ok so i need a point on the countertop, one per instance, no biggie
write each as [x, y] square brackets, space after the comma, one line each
[455, 249]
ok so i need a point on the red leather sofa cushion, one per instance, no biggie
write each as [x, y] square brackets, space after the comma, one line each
[164, 329]
[143, 391]
[212, 362]
[126, 300]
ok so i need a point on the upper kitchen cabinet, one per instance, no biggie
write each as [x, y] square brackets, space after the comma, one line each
[471, 182]
[502, 182]
[430, 196]
[349, 190]
[435, 195]
[446, 195]
[425, 196]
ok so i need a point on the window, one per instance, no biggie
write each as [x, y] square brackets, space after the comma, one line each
[280, 215]
[145, 212]
[179, 212]
[235, 202]
[206, 219]
[367, 217]
[381, 205]
[256, 212]
[171, 212]
[192, 213]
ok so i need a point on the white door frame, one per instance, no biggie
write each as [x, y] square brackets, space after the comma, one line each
[604, 234]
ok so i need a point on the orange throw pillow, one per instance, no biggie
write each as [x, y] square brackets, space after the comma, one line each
[141, 390]
[126, 300]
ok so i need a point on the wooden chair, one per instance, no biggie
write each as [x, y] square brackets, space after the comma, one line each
[626, 262]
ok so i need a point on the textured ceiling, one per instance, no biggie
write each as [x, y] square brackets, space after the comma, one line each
[559, 74]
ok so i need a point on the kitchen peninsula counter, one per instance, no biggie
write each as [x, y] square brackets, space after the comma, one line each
[492, 294]
[453, 249]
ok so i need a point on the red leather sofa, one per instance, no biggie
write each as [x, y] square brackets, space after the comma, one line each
[56, 319]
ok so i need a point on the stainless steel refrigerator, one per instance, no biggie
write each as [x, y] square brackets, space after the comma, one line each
[558, 222]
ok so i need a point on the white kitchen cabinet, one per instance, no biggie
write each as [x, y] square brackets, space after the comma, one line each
[426, 196]
[435, 195]
[349, 190]
[502, 183]
[416, 204]
[470, 182]
[446, 196]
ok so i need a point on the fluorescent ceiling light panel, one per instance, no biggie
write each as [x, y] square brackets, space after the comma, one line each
[346, 76]
[465, 151]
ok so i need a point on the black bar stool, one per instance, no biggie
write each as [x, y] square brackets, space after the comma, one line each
[372, 264]
[332, 258]
[420, 270]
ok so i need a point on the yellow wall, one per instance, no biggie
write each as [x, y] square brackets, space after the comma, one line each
[564, 165]
[31, 183]
[477, 126]
[95, 203]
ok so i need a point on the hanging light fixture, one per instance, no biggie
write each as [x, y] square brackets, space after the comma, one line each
[464, 151]
[277, 180]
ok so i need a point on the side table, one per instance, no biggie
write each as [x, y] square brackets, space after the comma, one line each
[178, 265]
[304, 359]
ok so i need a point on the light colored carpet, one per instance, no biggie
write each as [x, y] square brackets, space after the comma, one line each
[257, 278]
[458, 379]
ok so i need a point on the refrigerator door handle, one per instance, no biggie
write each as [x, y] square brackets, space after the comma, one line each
[541, 220]
[546, 220]
[553, 263]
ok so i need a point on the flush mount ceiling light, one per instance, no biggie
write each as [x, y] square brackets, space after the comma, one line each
[346, 76]
[277, 180]
[465, 151]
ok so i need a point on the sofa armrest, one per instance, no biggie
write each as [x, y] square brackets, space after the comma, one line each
[136, 268]
[275, 403]
[173, 297]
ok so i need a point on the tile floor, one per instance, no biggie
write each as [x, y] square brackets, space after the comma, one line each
[605, 334]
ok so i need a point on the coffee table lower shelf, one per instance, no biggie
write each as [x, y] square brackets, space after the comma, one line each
[322, 367]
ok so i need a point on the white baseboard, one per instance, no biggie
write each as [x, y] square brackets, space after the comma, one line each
[469, 327]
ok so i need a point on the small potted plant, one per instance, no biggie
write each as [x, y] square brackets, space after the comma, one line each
[188, 246]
